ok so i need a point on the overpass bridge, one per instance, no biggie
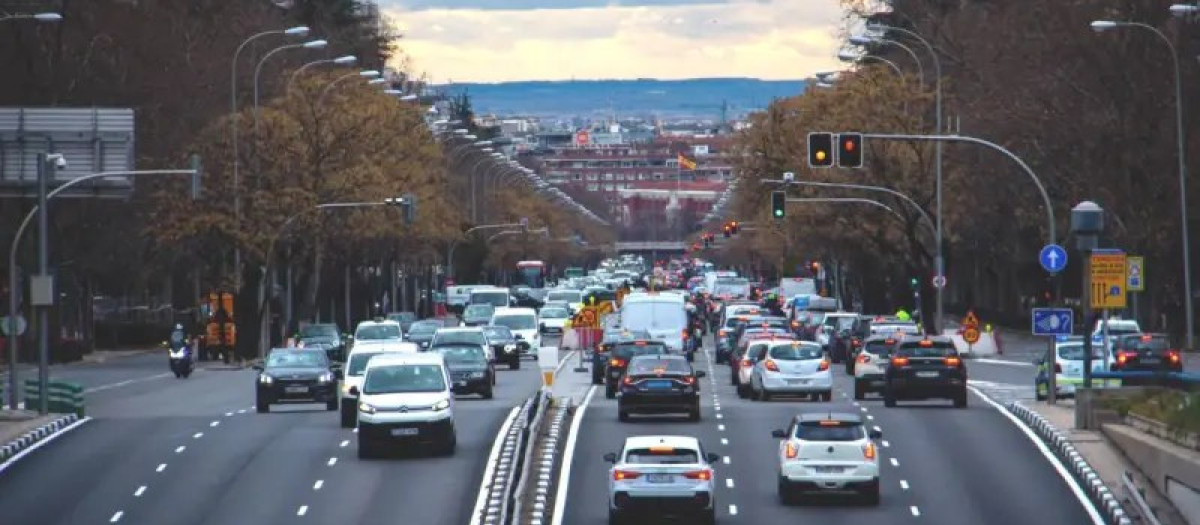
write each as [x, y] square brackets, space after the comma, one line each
[652, 246]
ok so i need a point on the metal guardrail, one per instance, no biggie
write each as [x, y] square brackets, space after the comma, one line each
[1176, 380]
[528, 441]
[64, 398]
[1139, 501]
[501, 488]
[543, 507]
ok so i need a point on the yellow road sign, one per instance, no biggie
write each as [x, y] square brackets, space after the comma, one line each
[971, 335]
[970, 319]
[1108, 280]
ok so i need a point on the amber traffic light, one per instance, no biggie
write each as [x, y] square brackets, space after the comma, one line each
[820, 150]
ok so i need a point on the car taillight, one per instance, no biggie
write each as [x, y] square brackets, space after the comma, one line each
[770, 364]
[856, 343]
[869, 451]
[864, 358]
[747, 363]
[1173, 356]
[1057, 368]
[953, 361]
[795, 324]
[790, 451]
[622, 475]
[1125, 356]
[628, 380]
[723, 333]
[899, 361]
[703, 475]
[689, 380]
[685, 334]
[823, 366]
[618, 363]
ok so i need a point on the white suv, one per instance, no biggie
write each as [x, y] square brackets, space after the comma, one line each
[356, 367]
[871, 363]
[405, 397]
[378, 330]
[828, 453]
[668, 474]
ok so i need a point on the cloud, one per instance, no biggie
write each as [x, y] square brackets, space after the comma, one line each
[474, 40]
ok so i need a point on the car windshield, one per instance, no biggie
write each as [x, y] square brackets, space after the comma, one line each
[626, 351]
[796, 352]
[1117, 328]
[570, 296]
[1074, 352]
[553, 313]
[498, 298]
[662, 456]
[376, 332]
[479, 311]
[498, 333]
[358, 363]
[936, 349]
[829, 431]
[404, 378]
[879, 348]
[295, 359]
[840, 322]
[458, 337]
[654, 315]
[889, 328]
[462, 354]
[516, 322]
[657, 365]
[1153, 343]
[319, 330]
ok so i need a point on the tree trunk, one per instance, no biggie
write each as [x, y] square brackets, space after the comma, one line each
[308, 309]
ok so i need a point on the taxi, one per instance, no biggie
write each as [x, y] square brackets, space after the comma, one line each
[1068, 367]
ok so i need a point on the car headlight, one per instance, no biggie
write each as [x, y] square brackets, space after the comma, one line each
[346, 388]
[265, 379]
[477, 375]
[366, 408]
[508, 349]
[327, 377]
[441, 405]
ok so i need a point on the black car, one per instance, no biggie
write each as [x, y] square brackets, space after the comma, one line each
[296, 375]
[469, 369]
[618, 359]
[505, 346]
[478, 314]
[1146, 352]
[406, 319]
[925, 368]
[326, 334]
[421, 332]
[660, 384]
[611, 336]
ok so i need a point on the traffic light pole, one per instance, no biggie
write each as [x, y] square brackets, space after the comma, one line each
[881, 189]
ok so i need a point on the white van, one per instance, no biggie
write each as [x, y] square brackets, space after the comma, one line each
[498, 297]
[459, 296]
[661, 314]
[406, 398]
[356, 367]
[523, 322]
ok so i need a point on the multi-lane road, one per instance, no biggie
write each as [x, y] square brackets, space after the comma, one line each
[939, 465]
[162, 450]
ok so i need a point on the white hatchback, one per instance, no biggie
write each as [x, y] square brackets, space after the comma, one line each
[670, 475]
[792, 367]
[828, 453]
[405, 398]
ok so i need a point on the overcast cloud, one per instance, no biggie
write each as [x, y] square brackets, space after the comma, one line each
[501, 40]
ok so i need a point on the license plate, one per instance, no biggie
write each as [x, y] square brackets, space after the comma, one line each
[1148, 360]
[658, 478]
[296, 389]
[797, 381]
[927, 374]
[828, 470]
[405, 431]
[658, 385]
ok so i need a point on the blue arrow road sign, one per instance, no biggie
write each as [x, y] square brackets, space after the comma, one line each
[1053, 258]
[1052, 321]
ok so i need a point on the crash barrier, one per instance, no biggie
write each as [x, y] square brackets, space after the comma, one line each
[1100, 495]
[64, 398]
[533, 436]
[501, 488]
[542, 504]
[581, 338]
[1188, 382]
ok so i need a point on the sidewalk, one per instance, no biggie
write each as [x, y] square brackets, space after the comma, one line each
[97, 357]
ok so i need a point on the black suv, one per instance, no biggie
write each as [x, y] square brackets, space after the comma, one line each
[469, 368]
[924, 368]
[660, 384]
[1146, 352]
[291, 375]
[505, 346]
[618, 359]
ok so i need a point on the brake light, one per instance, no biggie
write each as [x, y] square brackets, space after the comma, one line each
[703, 475]
[869, 451]
[795, 324]
[926, 343]
[622, 475]
[685, 334]
[1173, 356]
[1125, 356]
[746, 363]
[689, 380]
[770, 364]
[890, 342]
[953, 361]
[1057, 368]
[723, 333]
[790, 451]
[617, 363]
[899, 361]
[1147, 338]
[628, 380]
[823, 366]
[864, 358]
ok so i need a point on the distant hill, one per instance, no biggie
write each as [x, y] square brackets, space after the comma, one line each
[700, 98]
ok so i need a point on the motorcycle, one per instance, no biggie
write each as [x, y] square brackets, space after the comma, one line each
[180, 360]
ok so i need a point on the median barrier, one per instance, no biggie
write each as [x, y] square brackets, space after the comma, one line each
[63, 397]
[500, 498]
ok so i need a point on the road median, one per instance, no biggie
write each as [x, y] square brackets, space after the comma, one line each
[21, 432]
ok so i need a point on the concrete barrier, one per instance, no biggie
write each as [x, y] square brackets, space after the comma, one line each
[1174, 470]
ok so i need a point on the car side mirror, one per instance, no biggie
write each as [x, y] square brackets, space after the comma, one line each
[875, 434]
[712, 457]
[778, 434]
[353, 391]
[258, 367]
[700, 374]
[610, 457]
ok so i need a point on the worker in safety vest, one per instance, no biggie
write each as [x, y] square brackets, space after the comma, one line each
[902, 315]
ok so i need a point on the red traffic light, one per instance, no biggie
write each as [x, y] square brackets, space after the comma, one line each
[848, 145]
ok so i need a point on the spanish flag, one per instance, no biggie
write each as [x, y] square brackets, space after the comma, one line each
[686, 163]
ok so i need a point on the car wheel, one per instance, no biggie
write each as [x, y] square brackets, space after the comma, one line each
[262, 406]
[741, 392]
[850, 367]
[889, 398]
[331, 405]
[177, 374]
[787, 496]
[597, 379]
[827, 395]
[515, 364]
[365, 448]
[447, 448]
[960, 400]
[622, 415]
[871, 494]
[349, 416]
[733, 376]
[709, 517]
[614, 517]
[610, 392]
[694, 413]
[489, 393]
[764, 395]
[859, 391]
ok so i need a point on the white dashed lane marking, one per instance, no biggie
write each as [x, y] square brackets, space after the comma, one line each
[320, 483]
[725, 460]
[116, 517]
[332, 461]
[904, 484]
[180, 449]
[302, 510]
[729, 482]
[229, 414]
[197, 435]
[915, 510]
[161, 467]
[886, 444]
[724, 441]
[895, 463]
[214, 423]
[141, 490]
[733, 510]
[721, 428]
[719, 416]
[242, 411]
[344, 443]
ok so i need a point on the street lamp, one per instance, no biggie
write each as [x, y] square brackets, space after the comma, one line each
[339, 61]
[367, 73]
[311, 44]
[846, 56]
[48, 17]
[1104, 25]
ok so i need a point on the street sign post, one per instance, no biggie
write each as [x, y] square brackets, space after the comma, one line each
[1135, 272]
[939, 281]
[1108, 279]
[1053, 258]
[1053, 321]
[970, 332]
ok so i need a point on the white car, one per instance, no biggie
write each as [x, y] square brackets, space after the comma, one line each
[828, 453]
[356, 366]
[377, 330]
[871, 364]
[523, 322]
[670, 474]
[1117, 327]
[1068, 368]
[792, 367]
[552, 320]
[755, 350]
[573, 298]
[405, 398]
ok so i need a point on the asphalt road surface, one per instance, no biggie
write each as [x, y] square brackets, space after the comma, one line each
[193, 451]
[939, 464]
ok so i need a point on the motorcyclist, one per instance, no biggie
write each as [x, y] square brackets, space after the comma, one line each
[179, 337]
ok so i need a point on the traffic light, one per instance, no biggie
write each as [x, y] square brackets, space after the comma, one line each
[778, 202]
[820, 150]
[914, 283]
[850, 153]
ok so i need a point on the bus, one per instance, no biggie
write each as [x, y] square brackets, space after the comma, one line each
[574, 272]
[531, 274]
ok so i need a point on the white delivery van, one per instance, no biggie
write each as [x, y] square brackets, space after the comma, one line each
[661, 314]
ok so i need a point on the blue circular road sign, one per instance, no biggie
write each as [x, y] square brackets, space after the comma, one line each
[1053, 258]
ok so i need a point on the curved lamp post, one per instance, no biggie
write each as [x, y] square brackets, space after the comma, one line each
[339, 61]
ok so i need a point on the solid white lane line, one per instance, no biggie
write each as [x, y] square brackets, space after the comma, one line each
[116, 517]
[197, 435]
[915, 510]
[886, 444]
[161, 467]
[729, 483]
[564, 472]
[904, 484]
[724, 441]
[304, 510]
[214, 423]
[320, 483]
[332, 461]
[720, 416]
[733, 510]
[180, 449]
[725, 460]
[721, 427]
[119, 384]
[138, 493]
[1002, 362]
[894, 462]
[489, 467]
[45, 441]
[344, 443]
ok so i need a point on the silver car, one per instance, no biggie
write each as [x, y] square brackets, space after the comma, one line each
[671, 475]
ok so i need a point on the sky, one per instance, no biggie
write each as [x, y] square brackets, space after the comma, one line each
[506, 40]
